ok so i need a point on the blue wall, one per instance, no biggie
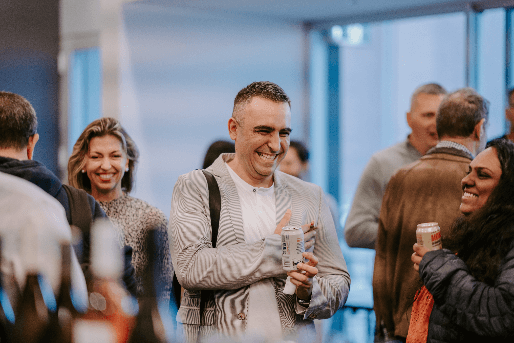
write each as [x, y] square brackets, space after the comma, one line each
[34, 76]
[29, 45]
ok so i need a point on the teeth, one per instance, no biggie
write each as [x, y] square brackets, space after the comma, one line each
[105, 177]
[469, 195]
[267, 156]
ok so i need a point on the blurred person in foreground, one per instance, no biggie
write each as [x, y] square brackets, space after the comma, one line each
[245, 269]
[361, 225]
[296, 163]
[26, 209]
[472, 278]
[215, 149]
[428, 190]
[103, 163]
[18, 139]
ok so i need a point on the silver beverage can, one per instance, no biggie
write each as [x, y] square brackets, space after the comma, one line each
[292, 247]
[429, 236]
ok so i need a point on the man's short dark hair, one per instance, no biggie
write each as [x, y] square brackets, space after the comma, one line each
[264, 89]
[460, 112]
[301, 150]
[18, 121]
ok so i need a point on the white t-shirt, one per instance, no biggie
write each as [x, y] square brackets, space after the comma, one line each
[259, 221]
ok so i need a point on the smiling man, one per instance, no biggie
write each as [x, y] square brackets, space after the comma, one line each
[425, 191]
[245, 271]
[261, 127]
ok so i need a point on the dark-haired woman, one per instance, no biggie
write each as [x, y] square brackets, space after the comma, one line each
[103, 164]
[472, 282]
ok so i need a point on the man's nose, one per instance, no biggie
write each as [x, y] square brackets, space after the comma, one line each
[433, 123]
[274, 143]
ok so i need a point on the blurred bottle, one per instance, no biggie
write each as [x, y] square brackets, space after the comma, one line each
[110, 314]
[80, 242]
[10, 285]
[153, 321]
[69, 307]
[37, 300]
[383, 335]
[6, 309]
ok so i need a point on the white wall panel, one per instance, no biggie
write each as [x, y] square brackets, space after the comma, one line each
[184, 69]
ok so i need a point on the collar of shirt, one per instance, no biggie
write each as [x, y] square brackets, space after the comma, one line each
[242, 184]
[450, 144]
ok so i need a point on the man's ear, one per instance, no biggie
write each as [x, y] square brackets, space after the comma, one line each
[479, 129]
[409, 119]
[232, 128]
[31, 145]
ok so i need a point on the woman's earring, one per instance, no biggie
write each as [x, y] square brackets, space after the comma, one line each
[83, 171]
[127, 169]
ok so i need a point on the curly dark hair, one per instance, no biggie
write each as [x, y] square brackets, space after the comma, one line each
[483, 238]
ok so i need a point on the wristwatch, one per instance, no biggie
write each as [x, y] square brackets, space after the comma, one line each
[304, 303]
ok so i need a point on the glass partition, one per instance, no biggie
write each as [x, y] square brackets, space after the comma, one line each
[379, 68]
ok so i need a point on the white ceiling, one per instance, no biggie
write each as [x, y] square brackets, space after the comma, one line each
[319, 12]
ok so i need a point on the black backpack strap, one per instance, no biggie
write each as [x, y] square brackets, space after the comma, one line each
[81, 217]
[80, 210]
[214, 209]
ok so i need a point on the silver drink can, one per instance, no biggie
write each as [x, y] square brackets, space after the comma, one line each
[292, 247]
[429, 236]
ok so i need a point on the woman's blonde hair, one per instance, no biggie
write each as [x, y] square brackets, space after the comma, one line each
[99, 128]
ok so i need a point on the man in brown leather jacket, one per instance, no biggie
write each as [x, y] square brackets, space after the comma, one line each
[428, 190]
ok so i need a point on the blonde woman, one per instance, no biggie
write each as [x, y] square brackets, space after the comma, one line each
[103, 164]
